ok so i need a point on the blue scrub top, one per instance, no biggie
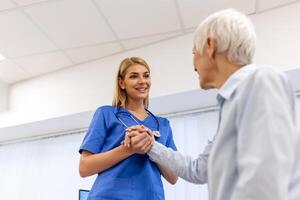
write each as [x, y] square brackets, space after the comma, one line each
[135, 178]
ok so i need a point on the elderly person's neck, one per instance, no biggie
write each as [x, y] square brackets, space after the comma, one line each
[225, 69]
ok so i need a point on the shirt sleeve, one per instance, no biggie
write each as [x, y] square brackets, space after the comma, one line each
[186, 167]
[94, 138]
[266, 139]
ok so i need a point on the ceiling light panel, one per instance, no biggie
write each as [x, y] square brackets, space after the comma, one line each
[139, 42]
[19, 37]
[90, 53]
[134, 18]
[6, 4]
[10, 73]
[2, 57]
[44, 63]
[267, 4]
[194, 11]
[28, 2]
[71, 23]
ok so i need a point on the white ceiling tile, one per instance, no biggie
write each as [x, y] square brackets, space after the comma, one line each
[20, 37]
[6, 4]
[194, 11]
[133, 18]
[190, 30]
[267, 4]
[283, 18]
[27, 2]
[84, 54]
[10, 73]
[71, 23]
[139, 42]
[44, 63]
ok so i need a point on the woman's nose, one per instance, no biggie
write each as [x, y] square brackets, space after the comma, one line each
[141, 80]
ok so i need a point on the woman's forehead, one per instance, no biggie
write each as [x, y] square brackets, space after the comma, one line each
[137, 68]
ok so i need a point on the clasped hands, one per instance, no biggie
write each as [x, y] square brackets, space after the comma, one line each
[138, 139]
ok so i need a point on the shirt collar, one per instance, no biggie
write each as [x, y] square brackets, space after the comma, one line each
[120, 110]
[233, 82]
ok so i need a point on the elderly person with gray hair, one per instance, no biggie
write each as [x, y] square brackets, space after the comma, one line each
[254, 152]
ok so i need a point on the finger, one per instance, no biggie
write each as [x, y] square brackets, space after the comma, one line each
[140, 128]
[150, 133]
[146, 148]
[153, 137]
[143, 128]
[132, 133]
[131, 128]
[135, 127]
[129, 136]
[127, 141]
[140, 139]
[150, 141]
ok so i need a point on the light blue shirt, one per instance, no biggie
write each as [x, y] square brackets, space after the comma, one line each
[255, 153]
[136, 177]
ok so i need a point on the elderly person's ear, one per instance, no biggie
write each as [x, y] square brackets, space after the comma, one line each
[211, 47]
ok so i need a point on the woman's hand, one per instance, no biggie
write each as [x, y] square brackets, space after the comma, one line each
[138, 139]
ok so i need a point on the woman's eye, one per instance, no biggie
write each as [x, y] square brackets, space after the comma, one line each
[132, 77]
[147, 76]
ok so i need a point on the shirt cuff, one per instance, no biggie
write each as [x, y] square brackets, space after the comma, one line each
[156, 151]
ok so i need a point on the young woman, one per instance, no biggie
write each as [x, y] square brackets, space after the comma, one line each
[123, 173]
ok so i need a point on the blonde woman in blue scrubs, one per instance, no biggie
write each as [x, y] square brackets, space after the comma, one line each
[124, 173]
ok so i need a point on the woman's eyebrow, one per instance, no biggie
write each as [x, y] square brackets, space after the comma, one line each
[138, 73]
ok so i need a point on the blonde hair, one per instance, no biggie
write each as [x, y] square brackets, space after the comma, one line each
[120, 95]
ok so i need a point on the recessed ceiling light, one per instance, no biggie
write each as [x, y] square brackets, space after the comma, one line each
[2, 57]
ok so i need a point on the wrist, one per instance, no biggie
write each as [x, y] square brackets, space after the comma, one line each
[127, 150]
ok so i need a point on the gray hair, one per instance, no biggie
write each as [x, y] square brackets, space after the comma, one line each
[234, 34]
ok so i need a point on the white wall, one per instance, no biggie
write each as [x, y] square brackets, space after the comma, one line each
[3, 96]
[278, 41]
[42, 170]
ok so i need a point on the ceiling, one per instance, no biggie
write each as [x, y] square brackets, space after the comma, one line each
[42, 36]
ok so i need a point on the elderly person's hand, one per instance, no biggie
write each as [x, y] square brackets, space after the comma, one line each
[138, 139]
